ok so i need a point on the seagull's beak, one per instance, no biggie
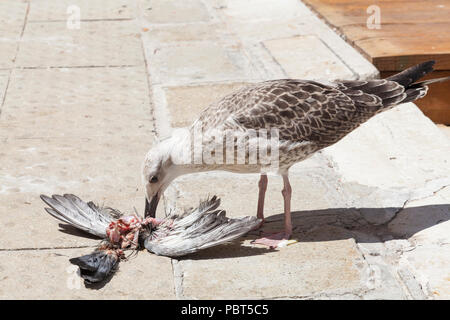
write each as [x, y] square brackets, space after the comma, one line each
[150, 207]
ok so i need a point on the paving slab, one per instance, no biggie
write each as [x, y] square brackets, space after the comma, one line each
[259, 9]
[59, 128]
[291, 19]
[48, 274]
[430, 267]
[396, 157]
[13, 12]
[445, 130]
[4, 76]
[376, 205]
[361, 67]
[182, 32]
[9, 41]
[30, 167]
[199, 62]
[96, 43]
[77, 102]
[161, 11]
[48, 10]
[240, 271]
[260, 30]
[301, 57]
[186, 102]
[426, 223]
[312, 190]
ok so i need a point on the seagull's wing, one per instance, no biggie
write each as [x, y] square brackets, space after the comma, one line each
[305, 111]
[301, 110]
[84, 216]
[308, 111]
[202, 228]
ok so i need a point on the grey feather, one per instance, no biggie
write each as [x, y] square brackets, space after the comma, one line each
[201, 228]
[430, 81]
[84, 216]
[176, 235]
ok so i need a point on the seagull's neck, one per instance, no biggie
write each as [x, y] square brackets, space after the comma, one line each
[180, 149]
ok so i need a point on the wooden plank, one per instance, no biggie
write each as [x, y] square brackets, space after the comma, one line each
[439, 31]
[355, 12]
[396, 55]
[412, 31]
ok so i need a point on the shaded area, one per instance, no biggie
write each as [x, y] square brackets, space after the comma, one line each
[68, 229]
[335, 224]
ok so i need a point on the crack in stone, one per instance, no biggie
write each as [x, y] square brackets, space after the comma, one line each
[413, 287]
[178, 278]
[46, 248]
[77, 67]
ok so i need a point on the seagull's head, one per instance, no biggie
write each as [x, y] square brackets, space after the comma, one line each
[162, 165]
[156, 178]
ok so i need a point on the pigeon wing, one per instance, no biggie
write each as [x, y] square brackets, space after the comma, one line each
[84, 216]
[202, 228]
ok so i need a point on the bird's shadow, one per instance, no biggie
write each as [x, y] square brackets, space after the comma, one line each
[336, 224]
[68, 229]
[323, 225]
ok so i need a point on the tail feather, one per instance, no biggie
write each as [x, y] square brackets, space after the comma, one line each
[412, 74]
[430, 81]
[412, 94]
[407, 78]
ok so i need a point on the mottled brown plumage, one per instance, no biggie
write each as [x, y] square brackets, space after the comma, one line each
[307, 113]
[308, 116]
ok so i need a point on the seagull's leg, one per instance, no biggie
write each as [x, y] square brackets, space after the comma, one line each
[281, 238]
[261, 196]
[287, 192]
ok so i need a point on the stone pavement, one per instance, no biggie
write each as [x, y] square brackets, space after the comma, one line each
[81, 107]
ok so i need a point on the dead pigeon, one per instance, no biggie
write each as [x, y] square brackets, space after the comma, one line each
[173, 236]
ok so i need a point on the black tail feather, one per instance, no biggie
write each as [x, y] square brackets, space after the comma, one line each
[407, 78]
[412, 94]
[430, 81]
[411, 75]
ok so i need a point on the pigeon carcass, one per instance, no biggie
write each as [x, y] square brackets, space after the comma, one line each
[305, 116]
[175, 235]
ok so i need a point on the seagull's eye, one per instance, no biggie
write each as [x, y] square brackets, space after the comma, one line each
[153, 179]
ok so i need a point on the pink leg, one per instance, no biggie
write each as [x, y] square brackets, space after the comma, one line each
[262, 194]
[275, 239]
[287, 192]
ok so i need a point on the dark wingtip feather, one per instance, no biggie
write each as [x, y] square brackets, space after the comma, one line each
[209, 204]
[45, 198]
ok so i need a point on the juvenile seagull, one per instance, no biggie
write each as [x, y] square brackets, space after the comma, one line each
[308, 115]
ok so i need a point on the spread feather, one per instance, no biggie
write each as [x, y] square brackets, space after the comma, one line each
[201, 228]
